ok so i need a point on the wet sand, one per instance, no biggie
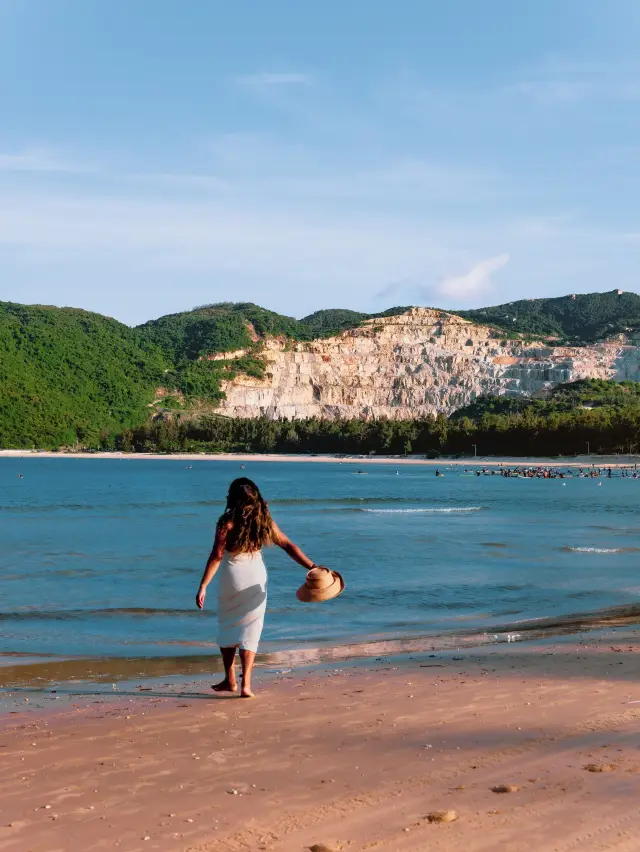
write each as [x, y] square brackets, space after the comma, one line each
[346, 759]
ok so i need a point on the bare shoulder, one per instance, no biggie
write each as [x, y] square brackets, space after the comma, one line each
[224, 526]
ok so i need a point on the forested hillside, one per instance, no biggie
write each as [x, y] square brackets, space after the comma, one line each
[66, 375]
[576, 318]
[229, 326]
[585, 394]
[188, 338]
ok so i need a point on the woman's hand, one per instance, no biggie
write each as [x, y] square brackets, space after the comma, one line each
[202, 593]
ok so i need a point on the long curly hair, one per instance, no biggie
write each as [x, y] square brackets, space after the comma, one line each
[249, 513]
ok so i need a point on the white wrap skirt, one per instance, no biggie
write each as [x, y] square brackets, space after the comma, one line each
[242, 600]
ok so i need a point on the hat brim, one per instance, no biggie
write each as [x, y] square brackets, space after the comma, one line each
[307, 595]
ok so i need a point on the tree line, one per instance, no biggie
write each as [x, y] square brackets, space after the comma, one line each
[523, 433]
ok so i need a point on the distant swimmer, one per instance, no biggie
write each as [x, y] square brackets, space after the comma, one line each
[20, 476]
[438, 473]
[242, 467]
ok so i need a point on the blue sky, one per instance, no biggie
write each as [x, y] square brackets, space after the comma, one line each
[156, 155]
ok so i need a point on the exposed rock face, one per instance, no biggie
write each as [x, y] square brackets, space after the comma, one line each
[419, 363]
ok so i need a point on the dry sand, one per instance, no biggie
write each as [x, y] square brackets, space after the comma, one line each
[347, 760]
[483, 461]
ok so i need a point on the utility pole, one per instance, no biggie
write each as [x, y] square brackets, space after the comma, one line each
[475, 450]
[588, 449]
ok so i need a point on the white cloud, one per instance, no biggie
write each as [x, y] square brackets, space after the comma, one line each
[475, 282]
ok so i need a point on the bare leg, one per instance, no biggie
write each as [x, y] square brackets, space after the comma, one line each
[247, 658]
[229, 684]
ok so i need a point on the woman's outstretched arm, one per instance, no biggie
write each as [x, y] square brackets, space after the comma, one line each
[290, 548]
[213, 562]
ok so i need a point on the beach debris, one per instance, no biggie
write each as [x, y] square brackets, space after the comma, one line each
[600, 767]
[442, 816]
[505, 788]
[322, 847]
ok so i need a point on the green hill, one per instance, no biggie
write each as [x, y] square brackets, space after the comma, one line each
[187, 338]
[224, 327]
[67, 374]
[576, 318]
[229, 326]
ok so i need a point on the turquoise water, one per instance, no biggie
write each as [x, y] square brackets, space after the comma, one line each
[102, 558]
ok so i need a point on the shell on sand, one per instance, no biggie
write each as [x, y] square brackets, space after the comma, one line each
[505, 788]
[442, 816]
[600, 767]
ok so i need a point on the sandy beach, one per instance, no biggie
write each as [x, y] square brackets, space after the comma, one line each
[245, 458]
[345, 759]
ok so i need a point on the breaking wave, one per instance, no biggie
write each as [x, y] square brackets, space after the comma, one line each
[601, 549]
[430, 510]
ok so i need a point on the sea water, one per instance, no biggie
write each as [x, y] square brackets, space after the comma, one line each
[102, 558]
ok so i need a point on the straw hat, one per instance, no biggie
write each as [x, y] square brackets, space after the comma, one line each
[321, 584]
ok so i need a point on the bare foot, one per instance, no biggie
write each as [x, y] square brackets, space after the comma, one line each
[246, 692]
[225, 686]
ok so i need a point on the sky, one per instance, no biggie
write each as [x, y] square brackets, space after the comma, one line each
[157, 155]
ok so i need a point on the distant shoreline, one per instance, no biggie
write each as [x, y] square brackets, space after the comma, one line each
[493, 461]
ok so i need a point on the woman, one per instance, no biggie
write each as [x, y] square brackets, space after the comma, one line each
[245, 527]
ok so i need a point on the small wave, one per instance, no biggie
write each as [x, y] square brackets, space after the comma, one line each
[601, 549]
[424, 511]
[85, 614]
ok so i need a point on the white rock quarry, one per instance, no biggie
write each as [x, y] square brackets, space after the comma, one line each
[418, 363]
